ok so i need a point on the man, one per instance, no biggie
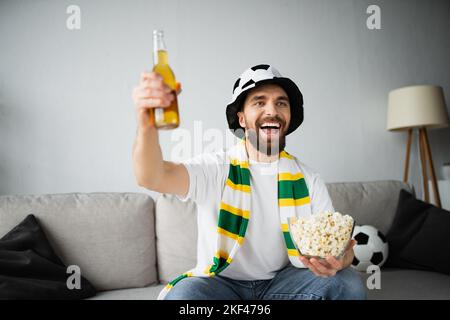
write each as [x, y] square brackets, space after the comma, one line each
[244, 196]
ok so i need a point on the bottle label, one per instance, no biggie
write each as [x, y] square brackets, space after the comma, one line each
[159, 115]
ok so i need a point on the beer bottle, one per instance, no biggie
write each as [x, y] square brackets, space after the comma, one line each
[164, 118]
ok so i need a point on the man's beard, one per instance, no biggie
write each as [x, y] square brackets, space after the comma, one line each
[272, 145]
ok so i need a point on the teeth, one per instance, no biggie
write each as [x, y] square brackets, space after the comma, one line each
[271, 124]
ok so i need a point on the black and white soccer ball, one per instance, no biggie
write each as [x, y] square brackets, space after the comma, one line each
[372, 247]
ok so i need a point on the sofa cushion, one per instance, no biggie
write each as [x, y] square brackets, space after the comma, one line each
[373, 202]
[410, 285]
[150, 292]
[110, 236]
[176, 240]
[395, 284]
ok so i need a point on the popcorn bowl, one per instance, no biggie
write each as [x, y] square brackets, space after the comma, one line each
[322, 234]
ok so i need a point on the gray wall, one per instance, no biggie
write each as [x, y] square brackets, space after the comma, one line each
[67, 122]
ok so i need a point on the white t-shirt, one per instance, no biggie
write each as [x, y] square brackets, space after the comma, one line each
[263, 252]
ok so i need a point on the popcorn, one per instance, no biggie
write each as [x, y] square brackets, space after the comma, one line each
[322, 234]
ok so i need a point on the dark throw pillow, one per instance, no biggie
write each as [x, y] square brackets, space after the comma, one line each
[419, 231]
[429, 247]
[30, 269]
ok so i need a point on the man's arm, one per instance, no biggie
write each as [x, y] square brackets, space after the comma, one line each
[154, 173]
[150, 169]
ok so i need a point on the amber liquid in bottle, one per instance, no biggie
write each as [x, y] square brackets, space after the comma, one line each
[164, 118]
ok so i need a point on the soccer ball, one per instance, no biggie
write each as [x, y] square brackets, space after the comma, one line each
[372, 247]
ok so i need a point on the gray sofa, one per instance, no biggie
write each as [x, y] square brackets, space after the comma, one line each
[129, 245]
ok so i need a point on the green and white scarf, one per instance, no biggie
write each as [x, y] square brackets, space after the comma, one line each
[234, 213]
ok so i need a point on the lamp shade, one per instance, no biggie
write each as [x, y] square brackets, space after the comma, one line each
[417, 106]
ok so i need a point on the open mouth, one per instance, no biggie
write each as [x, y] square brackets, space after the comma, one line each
[270, 128]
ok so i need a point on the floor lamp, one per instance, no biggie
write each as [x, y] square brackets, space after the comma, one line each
[418, 107]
